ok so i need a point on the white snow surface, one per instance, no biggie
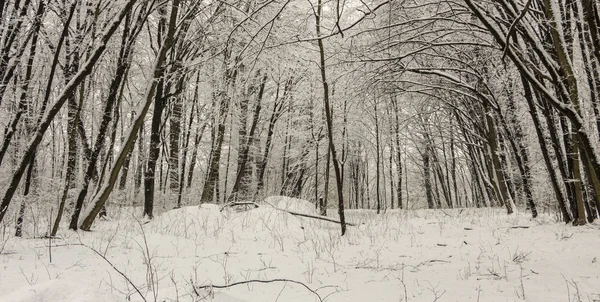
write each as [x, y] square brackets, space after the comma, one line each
[420, 255]
[292, 204]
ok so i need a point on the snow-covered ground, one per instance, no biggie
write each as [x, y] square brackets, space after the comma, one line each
[423, 255]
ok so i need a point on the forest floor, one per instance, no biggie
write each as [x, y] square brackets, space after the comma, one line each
[420, 255]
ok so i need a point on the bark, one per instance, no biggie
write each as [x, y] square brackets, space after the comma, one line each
[329, 118]
[391, 175]
[139, 173]
[377, 160]
[154, 149]
[71, 67]
[285, 159]
[27, 190]
[398, 151]
[427, 177]
[174, 142]
[324, 204]
[127, 163]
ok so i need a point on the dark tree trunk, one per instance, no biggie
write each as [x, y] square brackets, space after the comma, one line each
[154, 151]
[158, 72]
[329, 120]
[562, 201]
[275, 114]
[377, 161]
[240, 187]
[398, 151]
[211, 184]
[427, 177]
[112, 100]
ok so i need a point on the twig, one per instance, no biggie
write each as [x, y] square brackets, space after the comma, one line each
[512, 28]
[196, 288]
[117, 270]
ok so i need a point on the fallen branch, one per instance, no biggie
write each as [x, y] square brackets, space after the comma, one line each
[256, 205]
[313, 216]
[115, 268]
[196, 288]
[233, 204]
[310, 216]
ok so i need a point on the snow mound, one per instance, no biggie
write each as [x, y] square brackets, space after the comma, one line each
[269, 219]
[182, 221]
[292, 204]
[207, 221]
[210, 206]
[60, 291]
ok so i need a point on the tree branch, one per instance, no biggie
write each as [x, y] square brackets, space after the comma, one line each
[259, 281]
[512, 27]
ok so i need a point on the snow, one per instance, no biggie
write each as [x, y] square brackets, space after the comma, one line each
[292, 204]
[61, 290]
[454, 255]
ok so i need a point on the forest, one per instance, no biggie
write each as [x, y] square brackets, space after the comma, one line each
[369, 122]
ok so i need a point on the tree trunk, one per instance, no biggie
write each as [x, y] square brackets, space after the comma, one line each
[154, 150]
[325, 198]
[329, 119]
[208, 191]
[158, 73]
[498, 174]
[398, 151]
[174, 142]
[427, 177]
[240, 187]
[377, 160]
[275, 114]
[561, 200]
